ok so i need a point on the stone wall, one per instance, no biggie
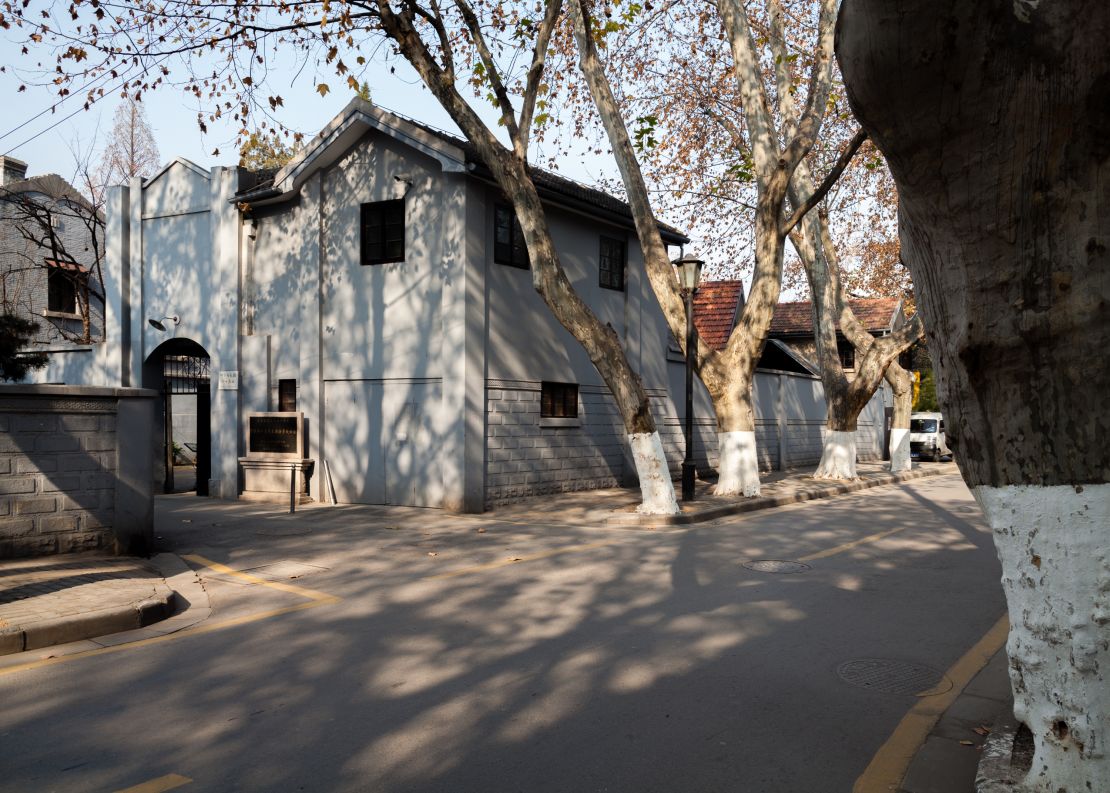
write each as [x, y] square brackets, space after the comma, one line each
[74, 470]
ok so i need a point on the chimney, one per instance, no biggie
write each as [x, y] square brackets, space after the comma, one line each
[12, 170]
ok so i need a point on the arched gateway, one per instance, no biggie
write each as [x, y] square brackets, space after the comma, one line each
[178, 369]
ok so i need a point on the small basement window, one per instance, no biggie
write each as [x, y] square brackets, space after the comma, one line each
[382, 232]
[508, 238]
[559, 400]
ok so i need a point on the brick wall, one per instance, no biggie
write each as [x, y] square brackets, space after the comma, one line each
[74, 469]
[526, 458]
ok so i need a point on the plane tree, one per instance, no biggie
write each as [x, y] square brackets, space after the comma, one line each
[993, 117]
[776, 148]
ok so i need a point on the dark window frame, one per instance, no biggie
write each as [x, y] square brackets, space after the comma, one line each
[287, 396]
[513, 252]
[846, 352]
[558, 400]
[608, 275]
[376, 246]
[61, 291]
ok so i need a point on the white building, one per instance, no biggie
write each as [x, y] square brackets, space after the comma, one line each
[377, 285]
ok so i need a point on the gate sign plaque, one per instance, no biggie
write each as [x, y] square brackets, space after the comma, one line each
[229, 381]
[274, 435]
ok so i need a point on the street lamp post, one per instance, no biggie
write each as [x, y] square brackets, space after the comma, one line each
[689, 274]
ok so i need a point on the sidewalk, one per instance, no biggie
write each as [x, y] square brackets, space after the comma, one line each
[617, 506]
[66, 598]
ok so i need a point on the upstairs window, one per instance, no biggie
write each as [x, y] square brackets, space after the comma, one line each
[559, 400]
[382, 232]
[847, 353]
[611, 264]
[508, 239]
[61, 288]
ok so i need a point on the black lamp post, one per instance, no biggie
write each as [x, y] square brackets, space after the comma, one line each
[689, 274]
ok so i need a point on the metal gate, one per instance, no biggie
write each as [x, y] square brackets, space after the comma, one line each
[189, 374]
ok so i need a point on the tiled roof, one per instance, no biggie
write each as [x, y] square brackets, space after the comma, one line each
[793, 319]
[715, 308]
[48, 184]
[547, 181]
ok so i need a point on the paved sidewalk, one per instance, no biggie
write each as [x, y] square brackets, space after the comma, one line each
[617, 506]
[66, 598]
[948, 760]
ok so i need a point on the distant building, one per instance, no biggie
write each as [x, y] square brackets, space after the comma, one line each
[793, 326]
[48, 263]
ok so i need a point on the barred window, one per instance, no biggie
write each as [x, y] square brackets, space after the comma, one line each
[559, 400]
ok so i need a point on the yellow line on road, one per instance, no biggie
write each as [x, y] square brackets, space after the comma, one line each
[479, 568]
[167, 782]
[849, 545]
[316, 599]
[887, 768]
[311, 594]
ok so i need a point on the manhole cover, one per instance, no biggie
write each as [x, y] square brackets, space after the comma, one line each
[776, 566]
[284, 569]
[892, 677]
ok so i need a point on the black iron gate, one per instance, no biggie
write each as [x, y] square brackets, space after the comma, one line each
[189, 374]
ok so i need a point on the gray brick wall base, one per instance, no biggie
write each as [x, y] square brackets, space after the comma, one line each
[59, 452]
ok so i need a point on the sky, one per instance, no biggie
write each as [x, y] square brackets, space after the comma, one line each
[44, 142]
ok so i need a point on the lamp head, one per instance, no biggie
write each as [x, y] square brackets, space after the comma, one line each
[689, 271]
[157, 323]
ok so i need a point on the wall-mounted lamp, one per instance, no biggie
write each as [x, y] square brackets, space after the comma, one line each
[402, 183]
[157, 323]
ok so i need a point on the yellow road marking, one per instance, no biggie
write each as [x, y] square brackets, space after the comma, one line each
[849, 545]
[316, 599]
[167, 782]
[311, 594]
[479, 568]
[887, 768]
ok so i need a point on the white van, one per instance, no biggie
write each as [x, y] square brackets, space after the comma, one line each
[927, 441]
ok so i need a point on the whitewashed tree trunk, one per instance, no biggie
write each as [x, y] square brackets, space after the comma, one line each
[838, 458]
[656, 487]
[1054, 545]
[899, 450]
[993, 118]
[738, 467]
[902, 386]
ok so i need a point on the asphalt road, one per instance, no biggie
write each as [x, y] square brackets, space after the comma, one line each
[467, 654]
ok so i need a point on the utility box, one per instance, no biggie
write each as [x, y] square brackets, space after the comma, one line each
[275, 467]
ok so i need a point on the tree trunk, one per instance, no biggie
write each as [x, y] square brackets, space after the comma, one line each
[738, 459]
[510, 171]
[902, 385]
[994, 118]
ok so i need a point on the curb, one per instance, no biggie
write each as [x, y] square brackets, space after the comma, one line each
[63, 630]
[768, 502]
[996, 773]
